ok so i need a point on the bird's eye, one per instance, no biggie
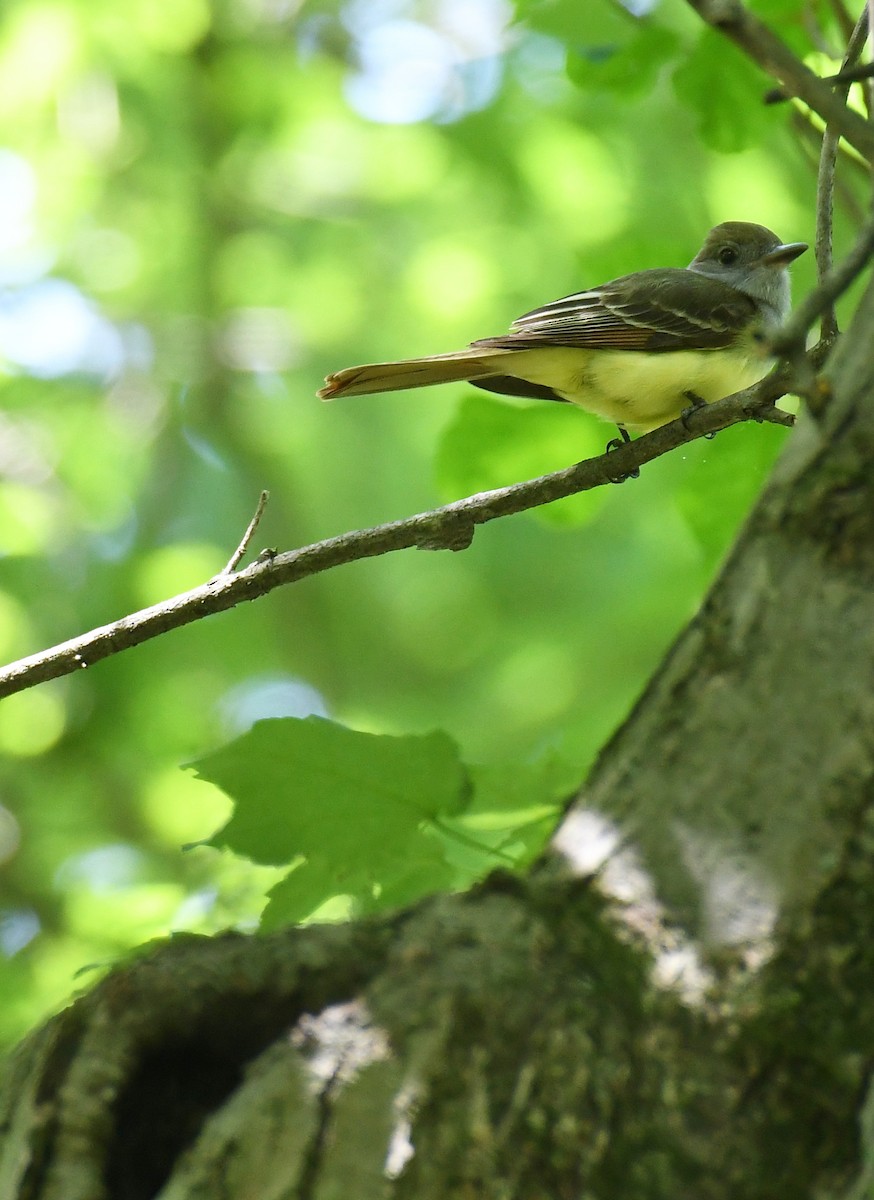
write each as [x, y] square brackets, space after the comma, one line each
[727, 255]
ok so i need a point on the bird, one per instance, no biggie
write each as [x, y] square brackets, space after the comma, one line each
[638, 351]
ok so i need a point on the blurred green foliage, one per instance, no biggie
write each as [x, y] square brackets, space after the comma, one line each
[204, 207]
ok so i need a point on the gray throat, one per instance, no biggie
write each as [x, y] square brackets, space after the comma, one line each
[768, 286]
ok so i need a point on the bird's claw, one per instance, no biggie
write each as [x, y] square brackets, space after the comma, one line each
[616, 444]
[695, 402]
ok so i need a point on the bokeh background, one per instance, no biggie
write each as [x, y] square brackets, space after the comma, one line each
[205, 207]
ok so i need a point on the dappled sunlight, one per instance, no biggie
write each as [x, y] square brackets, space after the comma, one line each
[79, 339]
[31, 723]
[734, 910]
[263, 696]
[412, 71]
[18, 927]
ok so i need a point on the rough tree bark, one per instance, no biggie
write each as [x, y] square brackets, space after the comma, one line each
[515, 1042]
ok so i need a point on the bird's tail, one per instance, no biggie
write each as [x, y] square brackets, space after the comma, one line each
[411, 373]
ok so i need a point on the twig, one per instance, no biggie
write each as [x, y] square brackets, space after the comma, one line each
[849, 75]
[825, 186]
[826, 181]
[814, 25]
[450, 527]
[792, 336]
[810, 144]
[825, 189]
[764, 47]
[843, 18]
[247, 536]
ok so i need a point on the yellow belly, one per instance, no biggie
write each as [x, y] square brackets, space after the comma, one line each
[638, 390]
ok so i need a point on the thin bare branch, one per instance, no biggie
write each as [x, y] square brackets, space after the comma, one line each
[859, 74]
[856, 74]
[763, 46]
[825, 189]
[450, 527]
[792, 336]
[235, 558]
[826, 181]
[844, 20]
[809, 142]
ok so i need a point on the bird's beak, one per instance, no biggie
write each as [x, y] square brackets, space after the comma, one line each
[781, 256]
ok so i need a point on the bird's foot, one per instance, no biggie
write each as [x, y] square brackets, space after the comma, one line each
[617, 444]
[695, 401]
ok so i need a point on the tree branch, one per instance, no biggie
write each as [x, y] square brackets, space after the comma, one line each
[246, 539]
[825, 182]
[791, 337]
[450, 527]
[764, 47]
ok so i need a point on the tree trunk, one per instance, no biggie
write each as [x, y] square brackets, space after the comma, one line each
[519, 1042]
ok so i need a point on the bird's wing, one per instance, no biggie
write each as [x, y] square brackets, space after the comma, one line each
[671, 309]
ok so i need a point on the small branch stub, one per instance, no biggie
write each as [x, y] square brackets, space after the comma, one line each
[237, 556]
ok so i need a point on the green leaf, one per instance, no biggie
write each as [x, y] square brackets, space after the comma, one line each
[492, 444]
[296, 897]
[593, 22]
[629, 67]
[314, 788]
[513, 812]
[793, 21]
[724, 89]
[372, 822]
[323, 880]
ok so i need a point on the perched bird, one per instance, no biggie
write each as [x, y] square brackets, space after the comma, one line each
[638, 350]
